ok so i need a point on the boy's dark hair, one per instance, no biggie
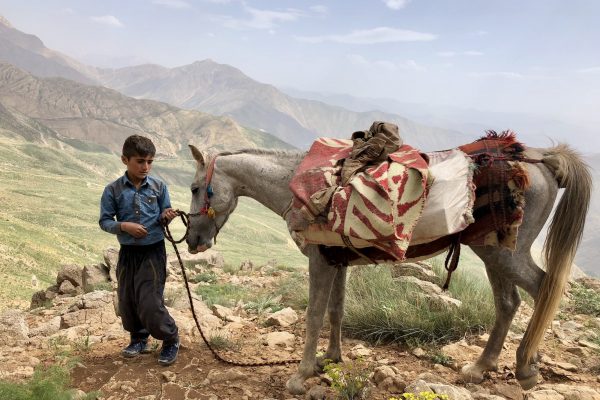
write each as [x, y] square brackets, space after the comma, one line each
[138, 145]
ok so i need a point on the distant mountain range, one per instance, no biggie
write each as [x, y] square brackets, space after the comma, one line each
[533, 130]
[222, 90]
[29, 53]
[38, 108]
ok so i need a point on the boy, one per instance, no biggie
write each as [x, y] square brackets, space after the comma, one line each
[140, 204]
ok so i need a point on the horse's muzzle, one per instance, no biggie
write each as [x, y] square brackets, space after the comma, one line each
[200, 234]
[202, 248]
[199, 248]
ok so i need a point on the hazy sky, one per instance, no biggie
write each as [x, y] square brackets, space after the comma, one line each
[540, 56]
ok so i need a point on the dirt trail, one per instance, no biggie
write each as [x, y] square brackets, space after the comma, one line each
[198, 375]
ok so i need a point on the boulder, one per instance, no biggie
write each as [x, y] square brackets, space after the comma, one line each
[453, 392]
[283, 318]
[275, 339]
[47, 328]
[418, 270]
[72, 273]
[210, 323]
[424, 286]
[359, 351]
[418, 386]
[97, 299]
[573, 392]
[111, 258]
[441, 301]
[66, 287]
[93, 275]
[546, 394]
[86, 317]
[394, 384]
[225, 313]
[209, 258]
[13, 327]
[383, 372]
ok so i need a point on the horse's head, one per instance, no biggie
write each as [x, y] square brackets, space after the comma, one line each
[213, 199]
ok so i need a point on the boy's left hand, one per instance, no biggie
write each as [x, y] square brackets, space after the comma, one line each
[167, 215]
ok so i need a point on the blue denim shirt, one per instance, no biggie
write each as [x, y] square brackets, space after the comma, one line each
[143, 206]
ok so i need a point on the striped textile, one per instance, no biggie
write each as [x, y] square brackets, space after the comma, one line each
[378, 208]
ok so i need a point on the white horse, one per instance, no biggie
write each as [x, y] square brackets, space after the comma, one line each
[264, 175]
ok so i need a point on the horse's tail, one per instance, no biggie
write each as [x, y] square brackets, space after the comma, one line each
[562, 241]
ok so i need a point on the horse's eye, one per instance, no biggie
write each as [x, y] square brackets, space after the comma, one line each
[194, 190]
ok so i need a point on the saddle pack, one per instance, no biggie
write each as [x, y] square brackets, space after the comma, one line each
[379, 199]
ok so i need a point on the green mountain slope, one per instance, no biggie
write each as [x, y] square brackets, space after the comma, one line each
[50, 203]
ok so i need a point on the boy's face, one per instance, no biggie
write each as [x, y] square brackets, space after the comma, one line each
[138, 167]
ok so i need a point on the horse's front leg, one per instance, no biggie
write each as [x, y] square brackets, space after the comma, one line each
[321, 276]
[335, 309]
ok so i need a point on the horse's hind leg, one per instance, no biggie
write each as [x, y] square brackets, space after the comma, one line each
[520, 270]
[335, 310]
[506, 301]
[527, 370]
[506, 271]
[321, 277]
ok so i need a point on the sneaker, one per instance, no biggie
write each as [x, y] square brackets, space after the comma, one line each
[135, 348]
[168, 353]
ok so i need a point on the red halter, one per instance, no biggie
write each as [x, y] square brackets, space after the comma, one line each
[208, 193]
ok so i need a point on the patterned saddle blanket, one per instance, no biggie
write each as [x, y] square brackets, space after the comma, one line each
[405, 202]
[379, 206]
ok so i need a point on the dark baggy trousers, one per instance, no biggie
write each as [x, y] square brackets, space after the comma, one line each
[141, 275]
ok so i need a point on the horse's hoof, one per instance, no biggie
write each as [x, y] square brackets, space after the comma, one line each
[295, 386]
[528, 382]
[471, 373]
[527, 375]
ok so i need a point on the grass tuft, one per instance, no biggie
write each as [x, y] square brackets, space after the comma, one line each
[206, 277]
[380, 309]
[585, 300]
[265, 302]
[47, 383]
[220, 341]
[293, 290]
[225, 294]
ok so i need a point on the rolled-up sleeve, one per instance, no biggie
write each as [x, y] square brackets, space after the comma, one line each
[108, 211]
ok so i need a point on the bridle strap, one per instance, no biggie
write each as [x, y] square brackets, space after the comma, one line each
[208, 178]
[208, 192]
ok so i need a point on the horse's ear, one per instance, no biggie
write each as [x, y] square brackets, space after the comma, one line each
[197, 154]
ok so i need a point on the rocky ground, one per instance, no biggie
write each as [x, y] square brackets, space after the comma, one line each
[66, 323]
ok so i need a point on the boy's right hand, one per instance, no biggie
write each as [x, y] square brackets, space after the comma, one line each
[136, 230]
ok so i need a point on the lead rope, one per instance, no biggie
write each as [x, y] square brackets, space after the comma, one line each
[185, 219]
